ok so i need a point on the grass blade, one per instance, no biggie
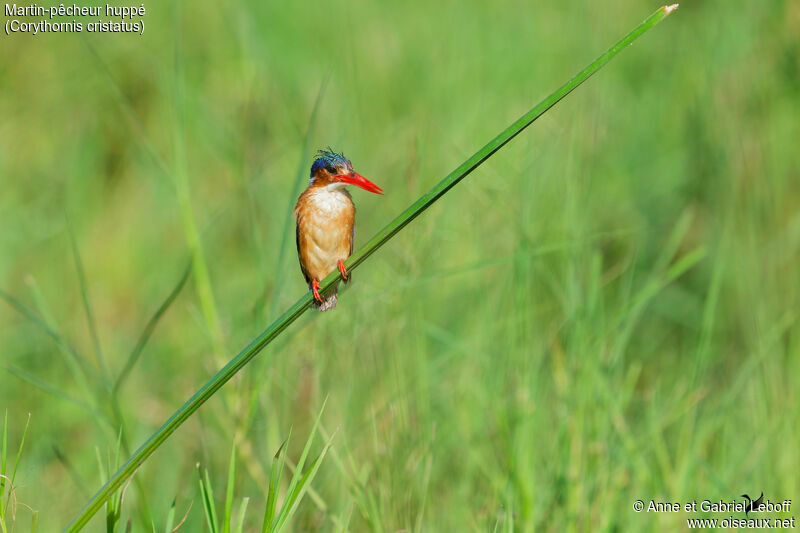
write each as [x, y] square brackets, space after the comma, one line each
[16, 460]
[299, 307]
[298, 471]
[133, 358]
[114, 504]
[274, 486]
[5, 478]
[74, 360]
[207, 494]
[226, 523]
[493, 146]
[87, 305]
[242, 512]
[170, 518]
[295, 497]
[50, 389]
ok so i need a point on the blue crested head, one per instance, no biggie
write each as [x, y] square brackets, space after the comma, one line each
[331, 161]
[332, 170]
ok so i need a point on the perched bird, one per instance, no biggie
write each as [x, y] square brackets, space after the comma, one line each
[325, 222]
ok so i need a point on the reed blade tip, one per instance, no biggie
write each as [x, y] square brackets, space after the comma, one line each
[669, 9]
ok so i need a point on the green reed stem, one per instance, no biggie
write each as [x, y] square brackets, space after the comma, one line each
[290, 315]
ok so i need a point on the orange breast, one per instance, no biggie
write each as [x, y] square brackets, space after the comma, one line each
[325, 219]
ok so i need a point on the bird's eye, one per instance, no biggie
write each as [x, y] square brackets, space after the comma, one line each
[331, 170]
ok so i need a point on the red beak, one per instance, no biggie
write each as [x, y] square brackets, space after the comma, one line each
[359, 181]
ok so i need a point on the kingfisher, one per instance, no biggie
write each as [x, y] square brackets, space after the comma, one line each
[325, 216]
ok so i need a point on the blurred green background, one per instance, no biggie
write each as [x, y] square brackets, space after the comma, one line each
[605, 311]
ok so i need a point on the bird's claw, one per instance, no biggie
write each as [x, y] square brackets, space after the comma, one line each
[343, 270]
[315, 290]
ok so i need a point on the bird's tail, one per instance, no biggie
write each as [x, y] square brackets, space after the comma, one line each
[329, 299]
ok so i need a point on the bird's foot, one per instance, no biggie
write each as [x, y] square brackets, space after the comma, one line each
[315, 290]
[343, 270]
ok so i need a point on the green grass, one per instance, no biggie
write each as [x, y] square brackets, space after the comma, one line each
[212, 386]
[9, 463]
[604, 311]
[276, 517]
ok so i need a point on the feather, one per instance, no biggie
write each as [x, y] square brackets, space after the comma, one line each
[325, 218]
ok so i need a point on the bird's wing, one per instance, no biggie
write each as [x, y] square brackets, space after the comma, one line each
[352, 239]
[759, 501]
[299, 256]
